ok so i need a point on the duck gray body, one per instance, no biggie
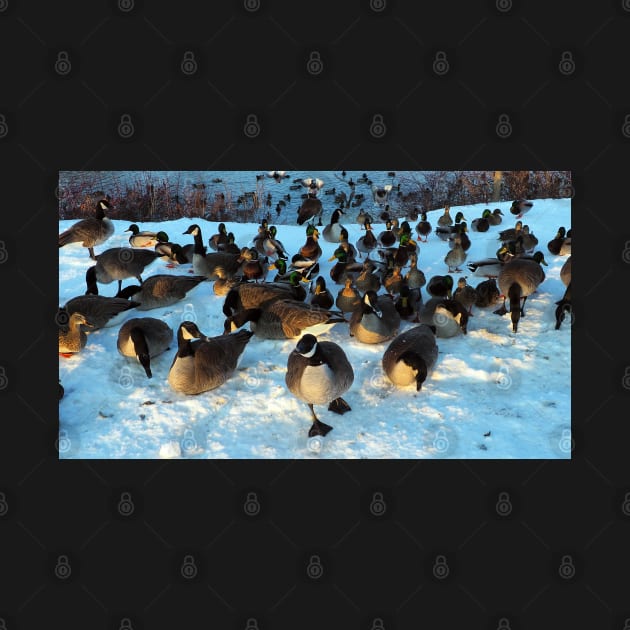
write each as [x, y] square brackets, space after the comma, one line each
[411, 356]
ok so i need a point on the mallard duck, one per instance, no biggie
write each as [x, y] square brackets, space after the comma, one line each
[261, 235]
[249, 295]
[100, 311]
[203, 363]
[90, 232]
[446, 219]
[563, 307]
[349, 247]
[387, 238]
[332, 231]
[141, 239]
[318, 373]
[160, 290]
[231, 247]
[311, 207]
[118, 263]
[408, 302]
[272, 247]
[218, 241]
[415, 277]
[348, 297]
[555, 245]
[517, 280]
[483, 223]
[440, 286]
[311, 250]
[449, 317]
[491, 267]
[320, 295]
[254, 267]
[406, 247]
[487, 293]
[511, 234]
[424, 227]
[529, 240]
[342, 268]
[465, 295]
[456, 256]
[284, 319]
[565, 272]
[367, 280]
[144, 338]
[520, 207]
[495, 217]
[411, 356]
[72, 338]
[394, 281]
[217, 264]
[292, 276]
[375, 319]
[460, 229]
[444, 232]
[367, 242]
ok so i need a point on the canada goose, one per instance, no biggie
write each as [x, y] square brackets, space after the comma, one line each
[465, 295]
[118, 263]
[449, 317]
[444, 232]
[367, 242]
[349, 247]
[565, 272]
[495, 217]
[272, 247]
[408, 302]
[332, 231]
[284, 319]
[564, 307]
[456, 256]
[342, 268]
[160, 290]
[446, 219]
[411, 356]
[415, 277]
[520, 207]
[483, 223]
[320, 295]
[203, 363]
[100, 311]
[254, 267]
[247, 295]
[218, 241]
[375, 319]
[72, 338]
[367, 280]
[222, 286]
[348, 297]
[144, 338]
[487, 293]
[311, 207]
[555, 244]
[141, 239]
[440, 286]
[424, 227]
[90, 232]
[318, 373]
[517, 280]
[511, 234]
[214, 265]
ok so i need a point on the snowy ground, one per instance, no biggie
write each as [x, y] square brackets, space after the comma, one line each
[493, 394]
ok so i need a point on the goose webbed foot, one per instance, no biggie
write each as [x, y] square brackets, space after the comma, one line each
[340, 406]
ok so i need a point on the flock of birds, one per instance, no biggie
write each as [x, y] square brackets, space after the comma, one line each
[375, 292]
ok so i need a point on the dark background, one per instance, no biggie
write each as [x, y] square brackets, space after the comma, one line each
[314, 554]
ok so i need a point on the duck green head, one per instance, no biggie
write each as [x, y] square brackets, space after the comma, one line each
[486, 213]
[310, 229]
[162, 237]
[459, 217]
[448, 282]
[539, 257]
[405, 227]
[281, 266]
[222, 228]
[340, 254]
[133, 228]
[295, 278]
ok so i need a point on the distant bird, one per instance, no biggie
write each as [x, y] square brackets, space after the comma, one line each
[90, 232]
[319, 373]
[278, 176]
[520, 207]
[313, 184]
[381, 193]
[141, 239]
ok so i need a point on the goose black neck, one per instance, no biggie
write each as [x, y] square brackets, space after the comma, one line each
[415, 362]
[90, 280]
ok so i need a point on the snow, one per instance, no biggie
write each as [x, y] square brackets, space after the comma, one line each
[493, 394]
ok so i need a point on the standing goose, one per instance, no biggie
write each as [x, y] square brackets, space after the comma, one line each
[118, 263]
[100, 311]
[348, 297]
[311, 207]
[375, 319]
[284, 319]
[160, 290]
[495, 217]
[332, 231]
[411, 356]
[424, 227]
[90, 232]
[72, 338]
[456, 256]
[141, 239]
[483, 223]
[517, 280]
[218, 241]
[449, 317]
[520, 207]
[318, 373]
[320, 295]
[144, 338]
[204, 363]
[217, 264]
[367, 242]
